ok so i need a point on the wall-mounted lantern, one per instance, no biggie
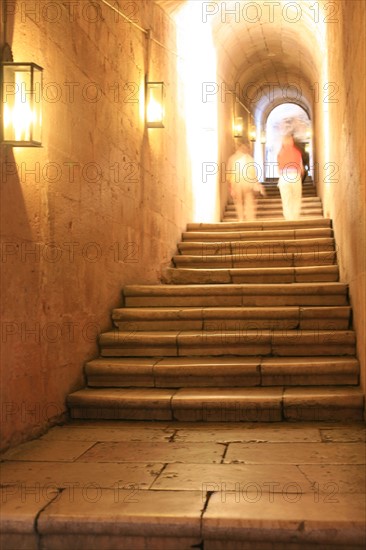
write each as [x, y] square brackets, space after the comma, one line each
[263, 138]
[21, 104]
[238, 126]
[252, 134]
[155, 104]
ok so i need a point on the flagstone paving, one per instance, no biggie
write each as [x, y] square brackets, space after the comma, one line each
[152, 485]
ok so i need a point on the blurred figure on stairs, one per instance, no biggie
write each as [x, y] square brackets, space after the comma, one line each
[291, 170]
[242, 178]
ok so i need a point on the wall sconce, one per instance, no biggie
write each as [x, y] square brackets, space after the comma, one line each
[263, 138]
[238, 126]
[155, 104]
[252, 134]
[21, 104]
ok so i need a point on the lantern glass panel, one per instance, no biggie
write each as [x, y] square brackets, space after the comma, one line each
[155, 104]
[22, 104]
[238, 126]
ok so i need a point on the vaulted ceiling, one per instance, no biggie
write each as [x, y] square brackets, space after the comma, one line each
[259, 45]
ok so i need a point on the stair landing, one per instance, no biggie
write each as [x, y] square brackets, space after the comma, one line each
[178, 486]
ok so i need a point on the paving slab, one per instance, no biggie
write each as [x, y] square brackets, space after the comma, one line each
[125, 425]
[50, 476]
[263, 434]
[44, 450]
[228, 478]
[296, 453]
[105, 433]
[331, 479]
[140, 451]
[125, 513]
[349, 433]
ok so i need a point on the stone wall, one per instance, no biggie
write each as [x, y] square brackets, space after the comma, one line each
[342, 186]
[102, 203]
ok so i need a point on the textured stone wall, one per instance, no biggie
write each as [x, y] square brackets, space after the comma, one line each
[102, 203]
[342, 186]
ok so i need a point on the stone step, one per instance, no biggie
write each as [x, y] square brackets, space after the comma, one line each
[216, 341]
[267, 199]
[275, 213]
[263, 207]
[216, 295]
[234, 371]
[256, 260]
[234, 318]
[230, 404]
[259, 225]
[274, 192]
[279, 217]
[277, 208]
[324, 273]
[264, 235]
[183, 511]
[306, 186]
[258, 247]
[274, 203]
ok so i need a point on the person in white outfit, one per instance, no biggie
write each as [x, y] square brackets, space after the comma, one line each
[291, 170]
[243, 181]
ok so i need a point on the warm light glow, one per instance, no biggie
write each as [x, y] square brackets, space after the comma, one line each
[155, 104]
[253, 134]
[154, 111]
[238, 126]
[19, 119]
[198, 99]
[21, 104]
[263, 138]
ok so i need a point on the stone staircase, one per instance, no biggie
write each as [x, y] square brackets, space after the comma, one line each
[251, 324]
[270, 206]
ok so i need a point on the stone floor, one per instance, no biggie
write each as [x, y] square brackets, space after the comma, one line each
[109, 485]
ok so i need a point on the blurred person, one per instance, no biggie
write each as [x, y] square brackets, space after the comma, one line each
[243, 181]
[291, 171]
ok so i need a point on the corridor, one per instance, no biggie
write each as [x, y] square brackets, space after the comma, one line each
[172, 377]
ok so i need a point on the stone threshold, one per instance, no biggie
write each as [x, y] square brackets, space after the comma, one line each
[252, 404]
[182, 520]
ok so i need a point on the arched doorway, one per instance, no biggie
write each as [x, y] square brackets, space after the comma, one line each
[287, 118]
